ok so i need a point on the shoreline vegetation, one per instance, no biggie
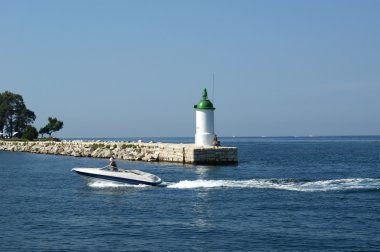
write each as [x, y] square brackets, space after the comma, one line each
[16, 139]
[16, 119]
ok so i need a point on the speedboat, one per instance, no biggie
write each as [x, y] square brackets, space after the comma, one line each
[132, 177]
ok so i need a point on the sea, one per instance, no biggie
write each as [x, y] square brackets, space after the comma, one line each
[285, 194]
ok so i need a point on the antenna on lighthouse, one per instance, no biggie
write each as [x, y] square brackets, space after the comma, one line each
[213, 86]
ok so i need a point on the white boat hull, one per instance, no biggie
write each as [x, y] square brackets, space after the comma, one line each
[132, 177]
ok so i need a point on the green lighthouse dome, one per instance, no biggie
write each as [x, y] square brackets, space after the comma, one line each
[204, 103]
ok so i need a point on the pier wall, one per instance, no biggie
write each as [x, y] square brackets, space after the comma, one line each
[150, 152]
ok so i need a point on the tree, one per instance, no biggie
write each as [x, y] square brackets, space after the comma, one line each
[4, 111]
[2, 114]
[14, 115]
[53, 125]
[30, 133]
[43, 131]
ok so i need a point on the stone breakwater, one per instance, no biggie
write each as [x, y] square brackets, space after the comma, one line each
[150, 152]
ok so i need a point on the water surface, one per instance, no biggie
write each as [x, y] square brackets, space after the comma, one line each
[286, 194]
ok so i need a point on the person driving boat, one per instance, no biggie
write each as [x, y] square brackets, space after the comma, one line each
[113, 165]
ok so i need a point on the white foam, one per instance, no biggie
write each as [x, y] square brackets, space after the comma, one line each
[283, 184]
[106, 184]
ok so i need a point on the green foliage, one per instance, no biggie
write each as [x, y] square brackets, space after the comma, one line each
[30, 133]
[43, 131]
[96, 146]
[125, 146]
[50, 139]
[53, 125]
[14, 115]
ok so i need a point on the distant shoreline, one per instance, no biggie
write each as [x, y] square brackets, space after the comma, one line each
[134, 138]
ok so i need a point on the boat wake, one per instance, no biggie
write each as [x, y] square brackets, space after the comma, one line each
[351, 184]
[110, 184]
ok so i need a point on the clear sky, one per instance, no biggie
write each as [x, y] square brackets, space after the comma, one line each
[136, 68]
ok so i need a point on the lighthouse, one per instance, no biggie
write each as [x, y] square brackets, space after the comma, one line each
[204, 116]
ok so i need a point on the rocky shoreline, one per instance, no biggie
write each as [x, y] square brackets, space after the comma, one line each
[132, 151]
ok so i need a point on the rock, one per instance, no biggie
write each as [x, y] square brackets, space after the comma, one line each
[181, 153]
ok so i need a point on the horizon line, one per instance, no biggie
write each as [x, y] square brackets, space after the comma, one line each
[300, 136]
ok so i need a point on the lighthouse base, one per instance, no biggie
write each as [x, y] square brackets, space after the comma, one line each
[204, 139]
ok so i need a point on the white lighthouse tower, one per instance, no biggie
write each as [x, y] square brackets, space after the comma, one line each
[204, 113]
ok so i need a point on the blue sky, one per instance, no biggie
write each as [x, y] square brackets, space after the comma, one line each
[136, 68]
